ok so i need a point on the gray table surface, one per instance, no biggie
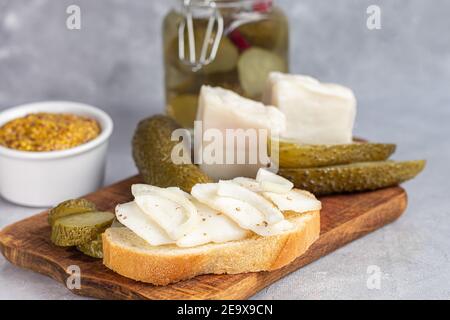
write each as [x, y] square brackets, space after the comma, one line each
[401, 76]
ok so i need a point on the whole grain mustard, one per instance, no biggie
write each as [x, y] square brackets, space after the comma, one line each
[43, 132]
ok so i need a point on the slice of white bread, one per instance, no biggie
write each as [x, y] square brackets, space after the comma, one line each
[132, 257]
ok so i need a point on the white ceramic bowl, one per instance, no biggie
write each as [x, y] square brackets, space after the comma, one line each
[43, 179]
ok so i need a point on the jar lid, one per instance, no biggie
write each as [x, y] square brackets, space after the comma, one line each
[257, 5]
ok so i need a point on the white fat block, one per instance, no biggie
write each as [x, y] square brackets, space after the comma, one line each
[221, 109]
[316, 113]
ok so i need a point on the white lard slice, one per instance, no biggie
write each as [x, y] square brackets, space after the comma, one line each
[170, 208]
[295, 200]
[221, 109]
[241, 212]
[214, 226]
[248, 183]
[316, 113]
[271, 182]
[132, 217]
[233, 190]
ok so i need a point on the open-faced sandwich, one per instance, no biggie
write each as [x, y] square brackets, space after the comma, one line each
[236, 226]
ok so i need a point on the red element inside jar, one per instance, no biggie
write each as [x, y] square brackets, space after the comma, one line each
[263, 6]
[239, 40]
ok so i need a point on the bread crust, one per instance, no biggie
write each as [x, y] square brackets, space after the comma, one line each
[130, 256]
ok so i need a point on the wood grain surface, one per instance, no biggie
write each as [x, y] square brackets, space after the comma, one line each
[344, 218]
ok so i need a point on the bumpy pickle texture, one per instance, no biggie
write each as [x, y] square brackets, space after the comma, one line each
[353, 177]
[70, 207]
[93, 249]
[80, 229]
[293, 155]
[152, 149]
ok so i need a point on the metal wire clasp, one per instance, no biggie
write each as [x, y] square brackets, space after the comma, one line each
[211, 42]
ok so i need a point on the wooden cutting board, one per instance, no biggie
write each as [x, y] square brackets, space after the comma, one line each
[344, 218]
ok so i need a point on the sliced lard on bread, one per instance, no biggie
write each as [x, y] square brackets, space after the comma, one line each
[236, 226]
[129, 255]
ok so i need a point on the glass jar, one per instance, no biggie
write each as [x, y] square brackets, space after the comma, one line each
[248, 39]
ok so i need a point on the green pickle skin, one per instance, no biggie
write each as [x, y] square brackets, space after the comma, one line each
[152, 149]
[67, 231]
[297, 156]
[354, 177]
[70, 207]
[92, 249]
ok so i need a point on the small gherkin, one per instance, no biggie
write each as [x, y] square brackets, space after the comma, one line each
[354, 177]
[93, 249]
[294, 155]
[152, 150]
[70, 207]
[79, 229]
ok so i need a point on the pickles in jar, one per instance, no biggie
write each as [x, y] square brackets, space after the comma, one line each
[254, 43]
[254, 67]
[263, 34]
[177, 80]
[184, 109]
[225, 60]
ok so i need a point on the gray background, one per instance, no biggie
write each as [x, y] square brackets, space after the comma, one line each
[401, 76]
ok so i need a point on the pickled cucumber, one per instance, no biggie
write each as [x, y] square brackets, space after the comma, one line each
[293, 155]
[183, 108]
[227, 80]
[70, 207]
[179, 81]
[93, 248]
[354, 177]
[225, 60]
[152, 149]
[271, 32]
[254, 67]
[263, 33]
[81, 228]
